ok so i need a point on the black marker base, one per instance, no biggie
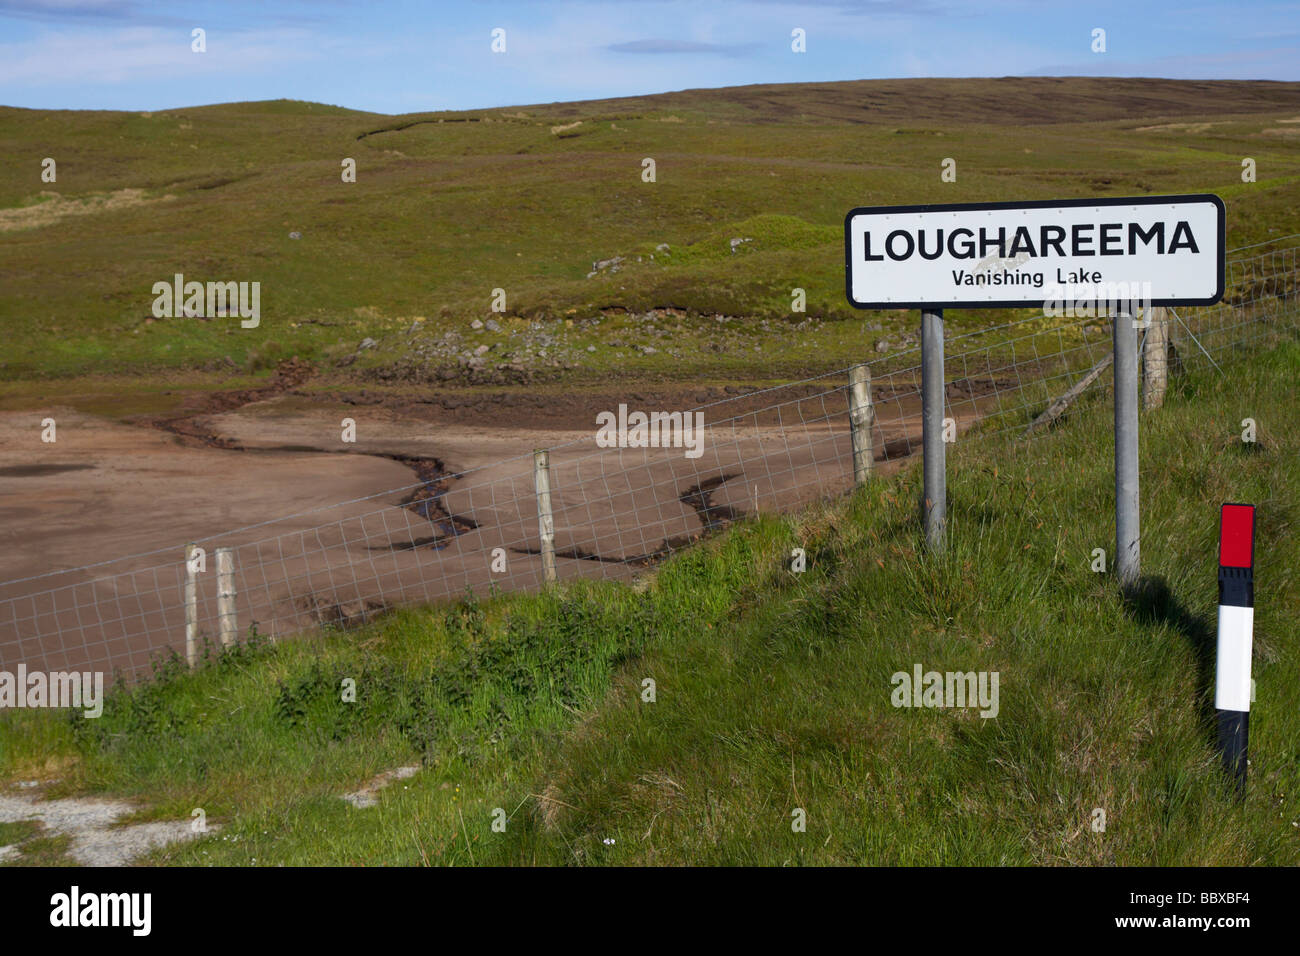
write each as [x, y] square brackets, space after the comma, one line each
[1234, 731]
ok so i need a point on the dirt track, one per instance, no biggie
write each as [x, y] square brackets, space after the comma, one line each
[442, 496]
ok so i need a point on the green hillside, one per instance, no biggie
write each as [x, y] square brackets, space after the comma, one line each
[448, 207]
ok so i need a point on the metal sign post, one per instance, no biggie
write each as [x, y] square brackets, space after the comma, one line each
[1127, 533]
[935, 502]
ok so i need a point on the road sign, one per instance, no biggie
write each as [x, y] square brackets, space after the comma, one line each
[1153, 250]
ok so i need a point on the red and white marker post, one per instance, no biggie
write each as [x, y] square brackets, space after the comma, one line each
[1236, 630]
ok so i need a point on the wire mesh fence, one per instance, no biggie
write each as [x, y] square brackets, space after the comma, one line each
[616, 510]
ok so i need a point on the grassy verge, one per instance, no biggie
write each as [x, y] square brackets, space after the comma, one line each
[773, 689]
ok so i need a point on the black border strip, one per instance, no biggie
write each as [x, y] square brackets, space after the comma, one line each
[1029, 204]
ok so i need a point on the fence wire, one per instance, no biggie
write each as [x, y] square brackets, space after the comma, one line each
[616, 510]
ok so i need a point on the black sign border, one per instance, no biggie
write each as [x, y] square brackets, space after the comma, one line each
[1029, 204]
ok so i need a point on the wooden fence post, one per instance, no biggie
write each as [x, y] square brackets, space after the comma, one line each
[545, 518]
[226, 596]
[1155, 361]
[1058, 407]
[862, 417]
[192, 558]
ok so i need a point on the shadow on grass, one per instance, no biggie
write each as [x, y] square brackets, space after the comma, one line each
[1152, 601]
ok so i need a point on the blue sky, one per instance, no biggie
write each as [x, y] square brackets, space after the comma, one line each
[398, 56]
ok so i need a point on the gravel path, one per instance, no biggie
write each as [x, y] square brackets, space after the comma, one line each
[95, 842]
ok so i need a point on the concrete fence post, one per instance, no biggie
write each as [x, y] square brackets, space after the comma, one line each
[545, 517]
[229, 627]
[1155, 361]
[862, 417]
[191, 605]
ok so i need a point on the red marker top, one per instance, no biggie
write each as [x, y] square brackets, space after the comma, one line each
[1237, 536]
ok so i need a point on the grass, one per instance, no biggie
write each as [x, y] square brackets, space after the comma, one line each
[11, 833]
[772, 690]
[35, 848]
[44, 851]
[448, 207]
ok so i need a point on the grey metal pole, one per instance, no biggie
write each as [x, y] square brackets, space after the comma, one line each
[1127, 554]
[935, 503]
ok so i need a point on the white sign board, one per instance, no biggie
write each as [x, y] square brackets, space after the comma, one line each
[1152, 250]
